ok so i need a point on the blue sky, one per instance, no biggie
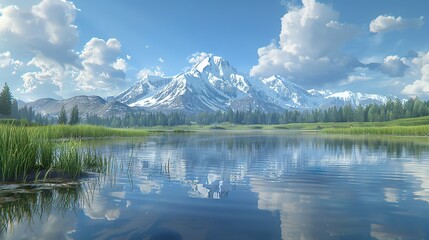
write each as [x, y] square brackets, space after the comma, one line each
[59, 48]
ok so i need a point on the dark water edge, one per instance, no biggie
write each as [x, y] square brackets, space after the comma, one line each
[235, 185]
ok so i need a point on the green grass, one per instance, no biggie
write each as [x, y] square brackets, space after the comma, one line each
[15, 122]
[73, 161]
[385, 130]
[25, 148]
[403, 127]
[34, 153]
[88, 131]
[19, 151]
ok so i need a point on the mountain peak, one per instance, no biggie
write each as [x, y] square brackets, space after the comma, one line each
[212, 84]
[215, 65]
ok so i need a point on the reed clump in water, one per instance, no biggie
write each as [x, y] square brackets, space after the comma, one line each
[31, 153]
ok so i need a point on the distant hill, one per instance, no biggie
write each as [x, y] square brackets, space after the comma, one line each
[86, 104]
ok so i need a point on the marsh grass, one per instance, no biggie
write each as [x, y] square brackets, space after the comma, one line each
[32, 153]
[19, 151]
[422, 130]
[87, 131]
[73, 159]
[69, 159]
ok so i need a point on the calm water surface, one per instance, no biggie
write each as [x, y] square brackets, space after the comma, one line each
[235, 185]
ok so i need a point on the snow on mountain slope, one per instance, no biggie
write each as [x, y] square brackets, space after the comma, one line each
[146, 87]
[185, 92]
[210, 85]
[213, 84]
[222, 76]
[293, 95]
[319, 93]
[354, 99]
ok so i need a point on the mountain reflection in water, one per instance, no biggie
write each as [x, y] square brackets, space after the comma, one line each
[237, 185]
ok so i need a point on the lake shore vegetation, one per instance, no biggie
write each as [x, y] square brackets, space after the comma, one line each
[39, 152]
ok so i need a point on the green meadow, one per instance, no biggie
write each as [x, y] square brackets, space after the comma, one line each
[403, 127]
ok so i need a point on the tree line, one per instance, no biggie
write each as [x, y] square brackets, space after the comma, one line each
[391, 110]
[9, 110]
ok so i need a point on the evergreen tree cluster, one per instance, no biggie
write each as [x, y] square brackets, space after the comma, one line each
[9, 109]
[5, 101]
[391, 110]
[74, 116]
[62, 117]
[147, 119]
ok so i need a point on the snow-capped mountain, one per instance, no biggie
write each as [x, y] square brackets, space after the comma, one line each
[289, 94]
[146, 87]
[213, 84]
[354, 99]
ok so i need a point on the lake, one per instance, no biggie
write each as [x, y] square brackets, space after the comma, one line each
[235, 185]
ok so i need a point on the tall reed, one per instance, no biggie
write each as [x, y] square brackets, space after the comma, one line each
[19, 151]
[31, 150]
[73, 160]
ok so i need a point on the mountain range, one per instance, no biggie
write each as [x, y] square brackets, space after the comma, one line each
[86, 104]
[212, 84]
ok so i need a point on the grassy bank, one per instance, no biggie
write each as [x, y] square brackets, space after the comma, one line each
[88, 131]
[403, 127]
[34, 153]
[385, 130]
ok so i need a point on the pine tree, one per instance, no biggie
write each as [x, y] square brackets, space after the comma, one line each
[74, 116]
[62, 118]
[6, 101]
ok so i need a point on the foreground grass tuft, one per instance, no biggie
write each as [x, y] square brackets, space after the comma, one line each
[34, 151]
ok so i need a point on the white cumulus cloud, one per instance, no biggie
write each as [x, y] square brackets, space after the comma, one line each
[103, 69]
[47, 29]
[150, 72]
[6, 60]
[120, 64]
[309, 50]
[421, 67]
[384, 23]
[45, 37]
[49, 72]
[393, 66]
[197, 57]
